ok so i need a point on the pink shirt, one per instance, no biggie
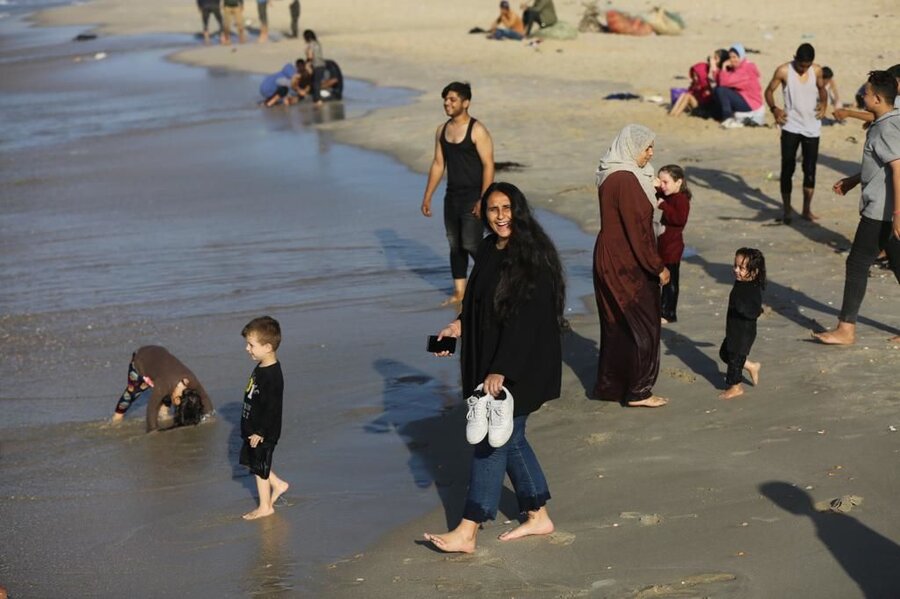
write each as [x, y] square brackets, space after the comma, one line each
[745, 80]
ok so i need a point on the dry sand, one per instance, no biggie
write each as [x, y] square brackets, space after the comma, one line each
[685, 501]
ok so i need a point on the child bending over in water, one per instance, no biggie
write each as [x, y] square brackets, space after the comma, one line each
[744, 307]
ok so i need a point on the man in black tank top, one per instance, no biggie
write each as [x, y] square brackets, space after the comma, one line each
[464, 147]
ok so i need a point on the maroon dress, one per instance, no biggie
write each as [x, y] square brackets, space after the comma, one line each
[626, 286]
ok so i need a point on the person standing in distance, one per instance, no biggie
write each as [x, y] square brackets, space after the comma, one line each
[464, 148]
[805, 100]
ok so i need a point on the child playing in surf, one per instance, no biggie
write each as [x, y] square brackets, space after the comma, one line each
[261, 412]
[173, 384]
[744, 307]
[675, 202]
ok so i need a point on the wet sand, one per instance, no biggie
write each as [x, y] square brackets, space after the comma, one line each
[703, 498]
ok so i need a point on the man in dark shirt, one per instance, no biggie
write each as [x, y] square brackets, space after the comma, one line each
[463, 147]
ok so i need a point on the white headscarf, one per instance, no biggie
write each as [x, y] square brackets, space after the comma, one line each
[622, 155]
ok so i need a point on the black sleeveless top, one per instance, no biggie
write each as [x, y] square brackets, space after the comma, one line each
[464, 168]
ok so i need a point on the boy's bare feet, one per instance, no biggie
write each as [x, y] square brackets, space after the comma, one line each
[278, 490]
[455, 541]
[732, 392]
[258, 513]
[894, 339]
[117, 418]
[663, 321]
[809, 216]
[654, 401]
[753, 369]
[538, 523]
[205, 38]
[843, 334]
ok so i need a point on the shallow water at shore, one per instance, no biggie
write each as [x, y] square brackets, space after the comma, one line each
[168, 208]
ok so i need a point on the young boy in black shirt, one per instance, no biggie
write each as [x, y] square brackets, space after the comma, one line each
[261, 413]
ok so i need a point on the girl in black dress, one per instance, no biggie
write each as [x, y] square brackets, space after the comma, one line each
[744, 307]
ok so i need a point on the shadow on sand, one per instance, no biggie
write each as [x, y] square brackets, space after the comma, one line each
[428, 418]
[867, 557]
[404, 253]
[783, 300]
[766, 208]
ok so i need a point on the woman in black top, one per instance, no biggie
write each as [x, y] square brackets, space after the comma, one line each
[509, 329]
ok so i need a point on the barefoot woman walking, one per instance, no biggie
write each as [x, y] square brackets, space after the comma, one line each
[628, 272]
[509, 330]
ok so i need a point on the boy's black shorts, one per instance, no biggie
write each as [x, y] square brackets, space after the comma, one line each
[258, 459]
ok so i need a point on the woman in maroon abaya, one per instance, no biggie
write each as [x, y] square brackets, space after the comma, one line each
[628, 272]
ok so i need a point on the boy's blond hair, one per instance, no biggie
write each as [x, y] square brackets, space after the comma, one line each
[266, 329]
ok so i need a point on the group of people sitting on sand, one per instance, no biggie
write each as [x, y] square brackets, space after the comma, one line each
[510, 26]
[726, 87]
[313, 76]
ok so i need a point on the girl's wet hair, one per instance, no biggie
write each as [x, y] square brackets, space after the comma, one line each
[190, 410]
[677, 174]
[756, 264]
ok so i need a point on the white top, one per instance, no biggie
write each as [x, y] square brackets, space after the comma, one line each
[800, 99]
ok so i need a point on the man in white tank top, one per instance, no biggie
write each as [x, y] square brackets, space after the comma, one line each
[805, 100]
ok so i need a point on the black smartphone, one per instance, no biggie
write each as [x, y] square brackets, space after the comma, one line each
[445, 344]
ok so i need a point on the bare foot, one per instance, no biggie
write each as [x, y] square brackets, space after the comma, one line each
[753, 369]
[894, 339]
[258, 513]
[663, 321]
[538, 523]
[454, 541]
[843, 334]
[453, 299]
[205, 38]
[809, 216]
[278, 491]
[654, 401]
[731, 392]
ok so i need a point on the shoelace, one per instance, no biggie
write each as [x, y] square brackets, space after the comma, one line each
[498, 408]
[470, 415]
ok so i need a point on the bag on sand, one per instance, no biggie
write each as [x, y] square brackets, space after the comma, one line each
[664, 22]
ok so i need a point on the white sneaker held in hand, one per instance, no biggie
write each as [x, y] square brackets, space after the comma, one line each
[477, 416]
[500, 419]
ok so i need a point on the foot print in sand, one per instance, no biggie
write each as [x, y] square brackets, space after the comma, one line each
[561, 538]
[682, 375]
[644, 519]
[598, 438]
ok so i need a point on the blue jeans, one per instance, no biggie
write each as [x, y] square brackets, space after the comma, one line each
[489, 464]
[729, 101]
[502, 33]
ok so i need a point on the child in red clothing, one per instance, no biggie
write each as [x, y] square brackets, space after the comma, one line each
[675, 203]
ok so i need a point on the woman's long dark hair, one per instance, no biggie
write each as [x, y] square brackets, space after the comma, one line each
[528, 252]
